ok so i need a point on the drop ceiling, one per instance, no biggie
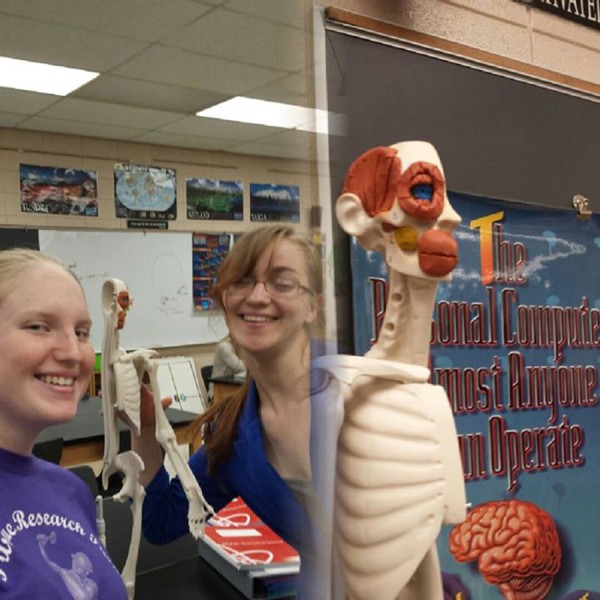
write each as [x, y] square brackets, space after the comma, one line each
[161, 61]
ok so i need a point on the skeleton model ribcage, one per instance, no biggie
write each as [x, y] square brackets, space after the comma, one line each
[122, 375]
[398, 476]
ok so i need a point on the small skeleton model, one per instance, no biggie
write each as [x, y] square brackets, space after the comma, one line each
[398, 472]
[122, 375]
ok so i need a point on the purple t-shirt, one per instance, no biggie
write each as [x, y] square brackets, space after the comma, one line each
[48, 539]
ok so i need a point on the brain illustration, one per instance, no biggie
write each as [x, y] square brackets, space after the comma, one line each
[515, 544]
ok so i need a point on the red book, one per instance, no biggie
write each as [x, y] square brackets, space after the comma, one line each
[237, 534]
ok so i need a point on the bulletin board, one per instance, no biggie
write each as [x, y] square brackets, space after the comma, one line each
[157, 268]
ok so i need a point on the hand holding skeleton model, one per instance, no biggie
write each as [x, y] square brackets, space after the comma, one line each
[122, 376]
[398, 473]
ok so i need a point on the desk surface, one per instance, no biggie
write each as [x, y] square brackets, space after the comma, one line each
[88, 424]
[191, 579]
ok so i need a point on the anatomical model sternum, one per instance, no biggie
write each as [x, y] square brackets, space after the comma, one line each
[398, 473]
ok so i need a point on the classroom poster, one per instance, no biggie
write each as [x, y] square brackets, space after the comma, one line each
[214, 199]
[58, 191]
[145, 192]
[514, 341]
[208, 251]
[274, 202]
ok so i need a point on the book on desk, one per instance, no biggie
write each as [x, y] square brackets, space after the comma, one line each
[246, 552]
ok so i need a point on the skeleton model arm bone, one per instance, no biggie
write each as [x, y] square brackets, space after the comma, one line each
[399, 473]
[122, 374]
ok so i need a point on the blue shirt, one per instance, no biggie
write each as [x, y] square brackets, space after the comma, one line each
[246, 473]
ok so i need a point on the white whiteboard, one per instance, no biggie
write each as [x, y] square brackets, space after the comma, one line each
[157, 268]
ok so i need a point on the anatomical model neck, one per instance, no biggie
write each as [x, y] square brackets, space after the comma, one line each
[405, 333]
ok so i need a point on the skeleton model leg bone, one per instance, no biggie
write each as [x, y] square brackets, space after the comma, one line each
[122, 374]
[398, 473]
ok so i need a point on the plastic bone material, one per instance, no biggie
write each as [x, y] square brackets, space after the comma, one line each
[398, 471]
[122, 375]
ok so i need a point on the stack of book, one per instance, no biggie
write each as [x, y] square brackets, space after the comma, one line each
[239, 546]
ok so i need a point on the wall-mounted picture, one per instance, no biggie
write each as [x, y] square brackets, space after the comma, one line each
[273, 202]
[208, 251]
[58, 191]
[214, 200]
[145, 192]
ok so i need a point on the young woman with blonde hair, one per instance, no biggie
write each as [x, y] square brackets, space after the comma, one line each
[49, 546]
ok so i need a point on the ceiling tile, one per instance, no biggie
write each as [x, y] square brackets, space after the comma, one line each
[289, 137]
[177, 67]
[79, 128]
[108, 114]
[231, 130]
[133, 92]
[24, 103]
[8, 119]
[286, 12]
[292, 89]
[136, 19]
[185, 141]
[30, 39]
[249, 40]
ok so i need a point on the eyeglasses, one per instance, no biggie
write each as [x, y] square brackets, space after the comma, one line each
[276, 287]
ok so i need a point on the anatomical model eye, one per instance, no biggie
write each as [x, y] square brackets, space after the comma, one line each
[421, 191]
[123, 300]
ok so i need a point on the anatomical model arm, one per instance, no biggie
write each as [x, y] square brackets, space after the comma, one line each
[398, 473]
[122, 375]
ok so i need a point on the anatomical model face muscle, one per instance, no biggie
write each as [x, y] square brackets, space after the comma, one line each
[398, 470]
[395, 202]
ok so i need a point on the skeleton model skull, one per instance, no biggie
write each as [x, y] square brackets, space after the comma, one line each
[398, 471]
[122, 375]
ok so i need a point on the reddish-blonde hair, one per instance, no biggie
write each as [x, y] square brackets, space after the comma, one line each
[218, 425]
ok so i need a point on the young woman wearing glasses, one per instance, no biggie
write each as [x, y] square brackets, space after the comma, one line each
[257, 443]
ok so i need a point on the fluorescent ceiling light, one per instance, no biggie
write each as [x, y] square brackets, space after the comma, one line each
[263, 112]
[40, 77]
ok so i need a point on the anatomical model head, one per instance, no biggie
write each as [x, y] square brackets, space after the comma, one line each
[115, 297]
[394, 201]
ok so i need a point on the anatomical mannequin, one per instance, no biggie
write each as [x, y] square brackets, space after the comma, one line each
[398, 470]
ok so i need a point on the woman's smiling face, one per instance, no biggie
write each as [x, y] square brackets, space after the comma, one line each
[263, 324]
[46, 358]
